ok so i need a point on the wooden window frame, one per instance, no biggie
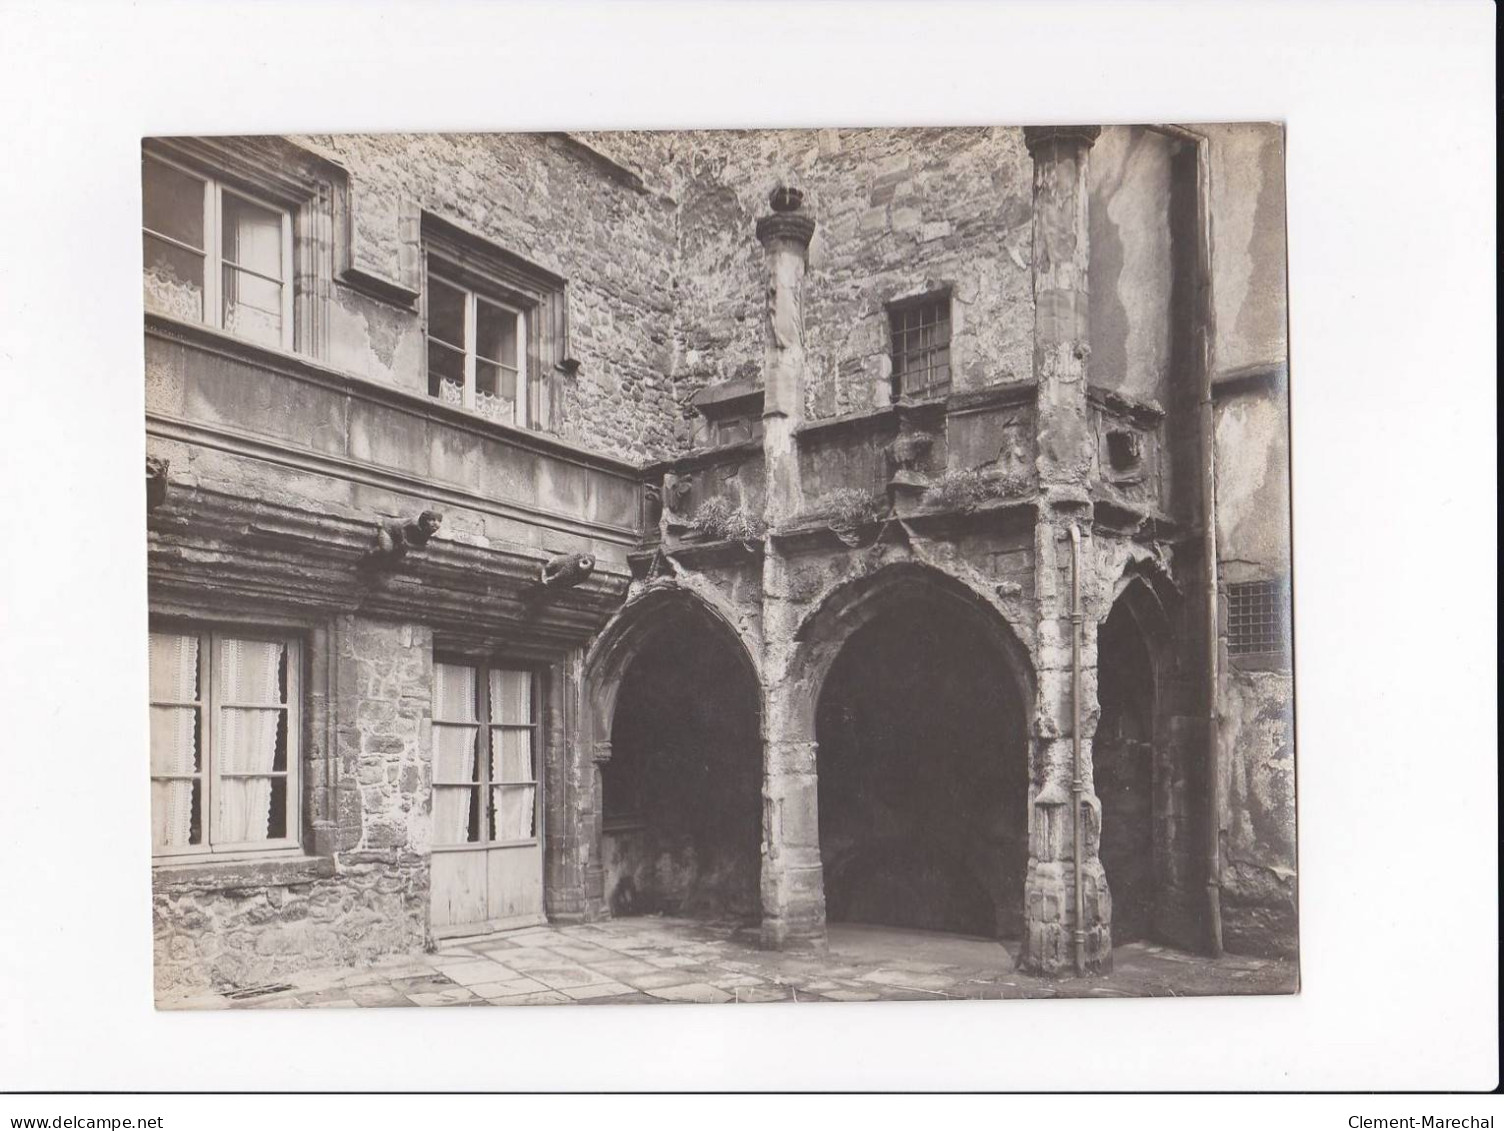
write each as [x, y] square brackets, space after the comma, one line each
[483, 727]
[523, 405]
[465, 260]
[213, 255]
[209, 704]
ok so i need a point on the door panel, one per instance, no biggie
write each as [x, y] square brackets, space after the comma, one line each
[459, 888]
[515, 876]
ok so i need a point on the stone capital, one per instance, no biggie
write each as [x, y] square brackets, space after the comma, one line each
[1082, 137]
[600, 752]
[786, 227]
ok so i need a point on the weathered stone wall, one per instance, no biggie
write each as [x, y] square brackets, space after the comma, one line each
[1132, 262]
[1248, 244]
[1259, 908]
[897, 212]
[1256, 707]
[552, 202]
[364, 896]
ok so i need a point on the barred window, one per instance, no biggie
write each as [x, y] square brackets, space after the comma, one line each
[921, 346]
[1255, 618]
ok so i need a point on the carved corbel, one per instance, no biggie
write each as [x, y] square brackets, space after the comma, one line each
[156, 481]
[566, 570]
[395, 540]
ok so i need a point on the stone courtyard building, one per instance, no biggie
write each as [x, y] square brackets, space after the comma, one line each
[887, 526]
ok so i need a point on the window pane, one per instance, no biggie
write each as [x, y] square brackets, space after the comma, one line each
[172, 203]
[456, 814]
[446, 313]
[496, 392]
[446, 373]
[454, 753]
[173, 280]
[172, 665]
[250, 671]
[512, 756]
[250, 741]
[496, 334]
[515, 809]
[175, 819]
[511, 696]
[175, 736]
[252, 307]
[454, 693]
[245, 810]
[252, 235]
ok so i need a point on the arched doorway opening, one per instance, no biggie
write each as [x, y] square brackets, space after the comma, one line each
[923, 770]
[1123, 771]
[681, 794]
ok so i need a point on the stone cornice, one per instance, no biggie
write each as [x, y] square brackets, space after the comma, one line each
[308, 370]
[251, 446]
[1142, 411]
[218, 550]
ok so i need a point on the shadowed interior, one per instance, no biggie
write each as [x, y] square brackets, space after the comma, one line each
[682, 793]
[923, 777]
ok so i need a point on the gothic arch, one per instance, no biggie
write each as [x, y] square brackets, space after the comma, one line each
[629, 632]
[650, 628]
[916, 697]
[822, 634]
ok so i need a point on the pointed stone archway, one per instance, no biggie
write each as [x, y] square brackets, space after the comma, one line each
[919, 808]
[669, 787]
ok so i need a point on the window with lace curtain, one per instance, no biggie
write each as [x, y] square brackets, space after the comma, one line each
[216, 255]
[224, 743]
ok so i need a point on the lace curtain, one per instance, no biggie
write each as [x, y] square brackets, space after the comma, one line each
[173, 667]
[453, 751]
[512, 755]
[247, 739]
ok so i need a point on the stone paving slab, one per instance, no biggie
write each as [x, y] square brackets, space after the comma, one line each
[662, 960]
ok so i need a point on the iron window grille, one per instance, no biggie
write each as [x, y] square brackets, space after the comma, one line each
[1255, 618]
[921, 346]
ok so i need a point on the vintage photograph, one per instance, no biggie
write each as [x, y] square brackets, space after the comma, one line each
[820, 565]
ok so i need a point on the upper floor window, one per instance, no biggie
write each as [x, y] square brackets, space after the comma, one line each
[920, 330]
[216, 255]
[224, 742]
[477, 351]
[496, 327]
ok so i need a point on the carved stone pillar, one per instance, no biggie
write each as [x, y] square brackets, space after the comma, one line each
[793, 890]
[594, 869]
[1060, 792]
[785, 236]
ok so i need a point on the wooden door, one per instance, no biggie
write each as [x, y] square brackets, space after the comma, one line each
[487, 864]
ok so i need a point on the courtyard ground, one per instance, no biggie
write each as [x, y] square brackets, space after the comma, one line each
[657, 960]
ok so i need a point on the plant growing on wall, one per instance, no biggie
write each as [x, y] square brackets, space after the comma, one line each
[718, 520]
[966, 489]
[845, 510]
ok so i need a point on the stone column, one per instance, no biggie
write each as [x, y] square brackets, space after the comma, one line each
[1064, 456]
[785, 236]
[793, 890]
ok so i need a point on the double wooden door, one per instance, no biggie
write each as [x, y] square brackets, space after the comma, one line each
[487, 863]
